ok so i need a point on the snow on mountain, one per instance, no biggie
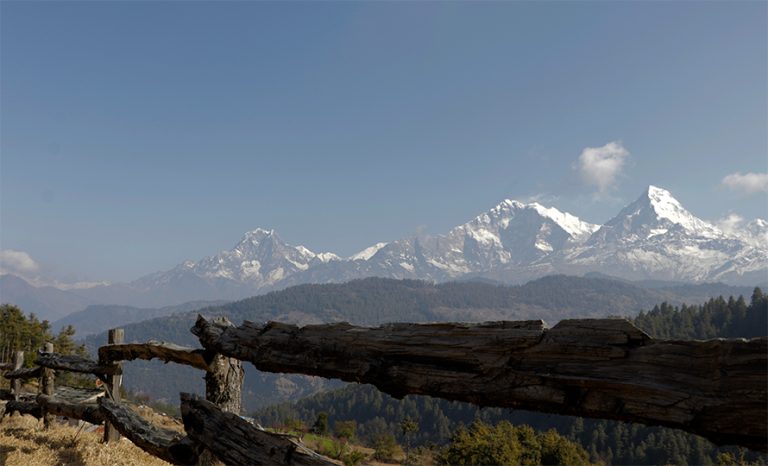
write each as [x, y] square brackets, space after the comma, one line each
[756, 233]
[367, 253]
[260, 259]
[653, 237]
[512, 233]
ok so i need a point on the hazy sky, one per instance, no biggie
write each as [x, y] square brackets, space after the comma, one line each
[136, 135]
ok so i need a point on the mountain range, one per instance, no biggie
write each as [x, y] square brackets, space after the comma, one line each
[653, 238]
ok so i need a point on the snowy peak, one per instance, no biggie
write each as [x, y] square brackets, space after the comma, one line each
[669, 208]
[571, 224]
[655, 212]
[512, 233]
[575, 226]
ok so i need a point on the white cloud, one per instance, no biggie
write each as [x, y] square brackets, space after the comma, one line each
[545, 199]
[18, 262]
[732, 224]
[748, 183]
[600, 166]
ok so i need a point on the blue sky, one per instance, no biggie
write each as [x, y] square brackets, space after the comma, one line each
[136, 135]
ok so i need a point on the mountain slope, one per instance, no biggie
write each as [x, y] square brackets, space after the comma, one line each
[47, 302]
[99, 317]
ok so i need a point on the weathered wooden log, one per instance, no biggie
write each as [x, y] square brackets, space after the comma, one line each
[166, 444]
[23, 407]
[6, 394]
[18, 361]
[236, 442]
[24, 373]
[88, 412]
[600, 368]
[74, 364]
[224, 378]
[115, 336]
[47, 385]
[6, 366]
[168, 352]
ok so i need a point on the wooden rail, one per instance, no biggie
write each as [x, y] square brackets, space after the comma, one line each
[602, 368]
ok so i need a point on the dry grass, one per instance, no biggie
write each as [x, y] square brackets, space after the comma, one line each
[24, 442]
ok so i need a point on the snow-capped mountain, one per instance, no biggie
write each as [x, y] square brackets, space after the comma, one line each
[655, 237]
[260, 259]
[510, 234]
[652, 238]
[756, 233]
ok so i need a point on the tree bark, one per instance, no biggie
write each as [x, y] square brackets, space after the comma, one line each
[73, 363]
[23, 373]
[114, 381]
[46, 386]
[600, 368]
[236, 442]
[23, 407]
[18, 361]
[89, 412]
[165, 444]
[168, 352]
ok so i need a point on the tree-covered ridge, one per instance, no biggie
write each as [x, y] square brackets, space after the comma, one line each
[717, 318]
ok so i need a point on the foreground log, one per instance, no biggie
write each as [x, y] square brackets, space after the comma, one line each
[166, 444]
[25, 373]
[88, 412]
[23, 407]
[600, 368]
[74, 364]
[168, 352]
[236, 442]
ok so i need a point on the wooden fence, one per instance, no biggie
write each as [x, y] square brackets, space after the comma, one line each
[603, 368]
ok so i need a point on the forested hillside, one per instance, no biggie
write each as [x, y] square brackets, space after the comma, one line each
[377, 414]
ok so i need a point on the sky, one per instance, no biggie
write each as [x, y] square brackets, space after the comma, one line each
[137, 135]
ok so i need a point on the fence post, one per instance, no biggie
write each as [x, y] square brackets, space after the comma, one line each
[116, 337]
[224, 380]
[224, 388]
[224, 384]
[18, 362]
[46, 385]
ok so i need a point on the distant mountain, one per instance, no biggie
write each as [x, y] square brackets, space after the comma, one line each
[47, 302]
[98, 318]
[374, 301]
[653, 238]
